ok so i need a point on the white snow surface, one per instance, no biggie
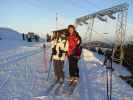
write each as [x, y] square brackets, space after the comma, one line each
[10, 38]
[23, 76]
[9, 34]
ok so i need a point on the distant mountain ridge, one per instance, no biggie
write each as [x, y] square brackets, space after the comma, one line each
[9, 34]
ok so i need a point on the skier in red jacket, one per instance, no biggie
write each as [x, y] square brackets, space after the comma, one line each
[74, 52]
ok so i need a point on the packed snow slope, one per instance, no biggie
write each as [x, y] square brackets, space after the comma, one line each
[10, 39]
[9, 34]
[23, 76]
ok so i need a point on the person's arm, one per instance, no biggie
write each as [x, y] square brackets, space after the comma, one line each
[53, 47]
[64, 46]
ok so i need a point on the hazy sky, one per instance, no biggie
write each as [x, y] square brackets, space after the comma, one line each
[39, 15]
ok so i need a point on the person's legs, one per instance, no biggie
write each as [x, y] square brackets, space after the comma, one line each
[60, 70]
[105, 60]
[73, 70]
[71, 66]
[76, 69]
[55, 65]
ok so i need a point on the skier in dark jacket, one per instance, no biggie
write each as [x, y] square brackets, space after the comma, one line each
[74, 52]
[108, 57]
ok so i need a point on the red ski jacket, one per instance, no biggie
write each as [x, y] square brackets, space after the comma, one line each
[73, 41]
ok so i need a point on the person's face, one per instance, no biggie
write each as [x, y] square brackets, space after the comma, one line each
[71, 30]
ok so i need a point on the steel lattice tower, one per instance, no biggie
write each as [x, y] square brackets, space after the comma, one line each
[121, 12]
[121, 29]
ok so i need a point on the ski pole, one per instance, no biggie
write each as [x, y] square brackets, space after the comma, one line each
[107, 83]
[111, 80]
[50, 66]
[111, 69]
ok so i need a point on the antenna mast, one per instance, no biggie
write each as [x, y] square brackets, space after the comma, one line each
[56, 21]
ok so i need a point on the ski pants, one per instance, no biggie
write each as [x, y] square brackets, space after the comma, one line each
[73, 66]
[106, 59]
[58, 69]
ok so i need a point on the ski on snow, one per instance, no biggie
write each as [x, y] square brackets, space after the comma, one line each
[51, 87]
[60, 89]
[69, 88]
[54, 88]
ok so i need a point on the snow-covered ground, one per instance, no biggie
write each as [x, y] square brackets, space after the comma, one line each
[11, 44]
[10, 39]
[23, 77]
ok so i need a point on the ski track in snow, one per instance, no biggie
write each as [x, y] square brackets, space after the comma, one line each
[25, 79]
[17, 57]
[11, 54]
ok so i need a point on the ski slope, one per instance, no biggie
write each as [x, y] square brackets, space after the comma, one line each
[23, 77]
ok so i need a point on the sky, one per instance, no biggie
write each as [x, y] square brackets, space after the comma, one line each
[39, 16]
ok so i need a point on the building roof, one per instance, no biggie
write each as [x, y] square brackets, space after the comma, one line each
[60, 30]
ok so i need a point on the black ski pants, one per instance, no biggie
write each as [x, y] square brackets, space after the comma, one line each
[58, 69]
[73, 66]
